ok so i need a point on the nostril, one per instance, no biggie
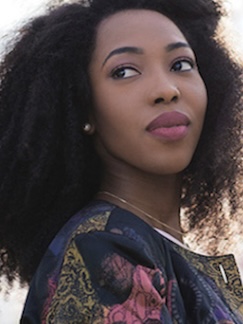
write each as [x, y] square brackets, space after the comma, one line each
[158, 100]
[175, 98]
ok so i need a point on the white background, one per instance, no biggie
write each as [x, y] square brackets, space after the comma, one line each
[12, 14]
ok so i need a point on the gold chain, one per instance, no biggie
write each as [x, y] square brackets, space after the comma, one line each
[107, 193]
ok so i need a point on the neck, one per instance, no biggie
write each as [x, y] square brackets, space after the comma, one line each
[144, 195]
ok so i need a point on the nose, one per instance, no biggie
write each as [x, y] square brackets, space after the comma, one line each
[167, 98]
[164, 90]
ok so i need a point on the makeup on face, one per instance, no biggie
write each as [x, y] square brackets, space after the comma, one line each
[149, 98]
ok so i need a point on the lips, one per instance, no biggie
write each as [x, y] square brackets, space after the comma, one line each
[169, 125]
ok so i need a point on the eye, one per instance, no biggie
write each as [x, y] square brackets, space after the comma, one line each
[124, 72]
[183, 65]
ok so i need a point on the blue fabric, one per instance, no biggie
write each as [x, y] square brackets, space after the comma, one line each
[108, 266]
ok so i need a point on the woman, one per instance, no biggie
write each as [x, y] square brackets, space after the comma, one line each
[120, 113]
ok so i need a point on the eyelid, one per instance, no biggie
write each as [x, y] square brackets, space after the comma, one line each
[187, 59]
[124, 67]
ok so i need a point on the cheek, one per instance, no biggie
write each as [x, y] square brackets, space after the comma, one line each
[116, 123]
[204, 105]
[200, 102]
[112, 110]
[109, 122]
[203, 94]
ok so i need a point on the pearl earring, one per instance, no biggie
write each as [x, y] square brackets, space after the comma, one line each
[87, 127]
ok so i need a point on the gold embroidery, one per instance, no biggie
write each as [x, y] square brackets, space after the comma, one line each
[212, 266]
[75, 300]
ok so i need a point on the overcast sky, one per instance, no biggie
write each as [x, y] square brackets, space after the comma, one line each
[14, 12]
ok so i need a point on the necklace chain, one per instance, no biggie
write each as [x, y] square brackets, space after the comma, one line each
[122, 200]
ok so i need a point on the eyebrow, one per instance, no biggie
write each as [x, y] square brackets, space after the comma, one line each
[139, 51]
[121, 50]
[174, 46]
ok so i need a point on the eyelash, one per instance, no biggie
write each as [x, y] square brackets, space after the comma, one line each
[114, 73]
[191, 62]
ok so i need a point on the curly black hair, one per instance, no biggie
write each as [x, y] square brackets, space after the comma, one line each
[49, 169]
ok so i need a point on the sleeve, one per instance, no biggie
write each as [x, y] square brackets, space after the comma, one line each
[105, 278]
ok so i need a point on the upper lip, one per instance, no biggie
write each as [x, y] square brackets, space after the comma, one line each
[169, 119]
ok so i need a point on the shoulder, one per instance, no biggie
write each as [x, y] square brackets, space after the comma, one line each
[100, 228]
[97, 251]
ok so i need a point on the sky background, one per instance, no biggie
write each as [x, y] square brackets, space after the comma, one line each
[12, 14]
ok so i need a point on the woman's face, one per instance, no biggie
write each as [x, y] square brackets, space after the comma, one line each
[149, 99]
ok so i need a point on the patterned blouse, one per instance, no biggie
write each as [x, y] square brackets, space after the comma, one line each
[107, 266]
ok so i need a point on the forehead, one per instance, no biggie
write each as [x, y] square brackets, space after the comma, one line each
[133, 27]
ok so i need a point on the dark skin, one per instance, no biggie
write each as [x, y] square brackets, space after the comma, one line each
[136, 78]
[46, 160]
[166, 210]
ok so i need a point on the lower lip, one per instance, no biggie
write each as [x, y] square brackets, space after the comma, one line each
[174, 133]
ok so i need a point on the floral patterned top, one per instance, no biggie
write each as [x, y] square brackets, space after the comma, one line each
[107, 266]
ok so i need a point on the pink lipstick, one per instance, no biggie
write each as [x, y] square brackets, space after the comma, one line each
[171, 126]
